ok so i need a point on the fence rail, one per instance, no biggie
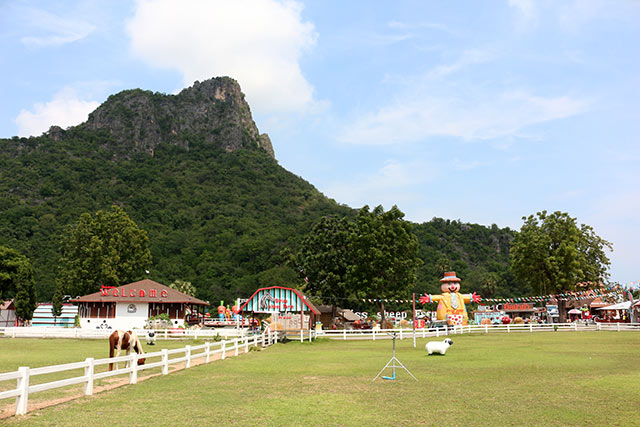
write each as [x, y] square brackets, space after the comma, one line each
[58, 332]
[356, 334]
[159, 359]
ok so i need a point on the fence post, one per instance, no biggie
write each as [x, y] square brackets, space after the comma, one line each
[486, 329]
[575, 326]
[374, 334]
[236, 346]
[224, 350]
[400, 334]
[437, 332]
[344, 333]
[165, 361]
[599, 327]
[618, 326]
[133, 375]
[23, 387]
[88, 372]
[187, 353]
[508, 329]
[246, 344]
[530, 327]
[207, 349]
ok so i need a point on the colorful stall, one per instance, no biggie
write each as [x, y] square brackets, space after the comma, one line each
[289, 309]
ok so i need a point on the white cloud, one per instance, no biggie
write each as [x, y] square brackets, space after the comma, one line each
[52, 30]
[396, 183]
[438, 103]
[257, 42]
[64, 110]
[416, 118]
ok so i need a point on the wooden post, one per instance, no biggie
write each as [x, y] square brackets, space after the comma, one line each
[165, 361]
[224, 350]
[187, 353]
[207, 349]
[133, 375]
[23, 386]
[88, 372]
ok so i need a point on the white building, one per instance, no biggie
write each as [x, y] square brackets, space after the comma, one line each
[129, 306]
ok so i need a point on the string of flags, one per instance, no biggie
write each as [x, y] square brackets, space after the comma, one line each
[567, 296]
[603, 291]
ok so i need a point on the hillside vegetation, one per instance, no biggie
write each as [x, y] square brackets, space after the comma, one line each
[218, 209]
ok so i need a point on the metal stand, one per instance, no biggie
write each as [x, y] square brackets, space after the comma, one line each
[392, 362]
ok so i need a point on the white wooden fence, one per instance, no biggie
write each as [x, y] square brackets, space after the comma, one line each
[163, 360]
[370, 334]
[53, 332]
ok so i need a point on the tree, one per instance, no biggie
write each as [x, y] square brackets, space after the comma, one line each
[184, 287]
[106, 248]
[324, 260]
[384, 253]
[56, 307]
[16, 281]
[551, 253]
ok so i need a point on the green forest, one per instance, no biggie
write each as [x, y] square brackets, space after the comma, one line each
[217, 219]
[219, 211]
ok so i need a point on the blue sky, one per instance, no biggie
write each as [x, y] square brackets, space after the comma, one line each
[479, 111]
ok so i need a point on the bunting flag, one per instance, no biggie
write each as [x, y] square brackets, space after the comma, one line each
[615, 289]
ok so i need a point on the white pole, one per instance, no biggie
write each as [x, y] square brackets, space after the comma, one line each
[187, 353]
[88, 372]
[224, 350]
[236, 346]
[165, 361]
[23, 386]
[207, 349]
[133, 375]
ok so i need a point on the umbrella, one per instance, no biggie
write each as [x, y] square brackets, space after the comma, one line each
[575, 311]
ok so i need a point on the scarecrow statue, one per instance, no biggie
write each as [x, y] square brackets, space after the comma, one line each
[451, 303]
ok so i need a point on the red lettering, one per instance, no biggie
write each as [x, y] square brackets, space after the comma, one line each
[152, 293]
[163, 294]
[104, 292]
[132, 293]
[116, 293]
[141, 293]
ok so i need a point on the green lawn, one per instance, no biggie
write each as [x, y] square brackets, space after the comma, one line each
[553, 378]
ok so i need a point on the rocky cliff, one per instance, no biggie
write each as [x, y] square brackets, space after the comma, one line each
[214, 111]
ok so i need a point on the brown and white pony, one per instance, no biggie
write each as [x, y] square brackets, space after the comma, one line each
[127, 341]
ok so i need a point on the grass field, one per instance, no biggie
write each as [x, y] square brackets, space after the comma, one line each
[553, 378]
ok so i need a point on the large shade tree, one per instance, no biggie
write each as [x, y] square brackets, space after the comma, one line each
[552, 253]
[384, 251]
[16, 281]
[104, 248]
[375, 255]
[324, 260]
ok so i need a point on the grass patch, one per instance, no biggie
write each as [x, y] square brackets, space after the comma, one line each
[585, 378]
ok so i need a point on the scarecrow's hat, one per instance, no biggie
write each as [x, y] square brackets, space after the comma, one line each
[449, 276]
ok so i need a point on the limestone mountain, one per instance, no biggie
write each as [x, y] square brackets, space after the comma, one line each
[195, 173]
[214, 110]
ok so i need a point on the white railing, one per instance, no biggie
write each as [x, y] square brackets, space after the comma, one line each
[58, 332]
[370, 334]
[160, 359]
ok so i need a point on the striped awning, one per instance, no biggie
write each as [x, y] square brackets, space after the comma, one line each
[277, 299]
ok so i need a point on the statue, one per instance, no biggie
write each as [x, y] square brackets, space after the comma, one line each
[451, 303]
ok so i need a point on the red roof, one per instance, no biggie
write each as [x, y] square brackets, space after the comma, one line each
[142, 291]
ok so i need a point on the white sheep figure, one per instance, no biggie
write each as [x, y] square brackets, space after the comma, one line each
[151, 338]
[439, 347]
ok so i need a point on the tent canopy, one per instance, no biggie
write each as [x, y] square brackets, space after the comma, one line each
[619, 306]
[575, 311]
